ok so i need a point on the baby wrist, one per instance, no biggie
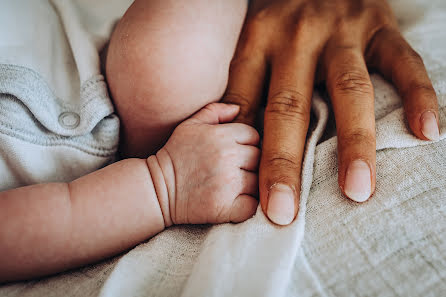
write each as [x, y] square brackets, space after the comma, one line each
[161, 188]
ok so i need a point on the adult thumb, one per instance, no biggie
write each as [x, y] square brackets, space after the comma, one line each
[215, 113]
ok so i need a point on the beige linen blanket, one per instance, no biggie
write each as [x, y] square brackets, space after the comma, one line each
[392, 245]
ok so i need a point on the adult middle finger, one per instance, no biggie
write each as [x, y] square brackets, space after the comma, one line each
[286, 122]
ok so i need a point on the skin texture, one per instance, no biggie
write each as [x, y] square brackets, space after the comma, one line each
[284, 47]
[294, 43]
[165, 62]
[224, 177]
[48, 228]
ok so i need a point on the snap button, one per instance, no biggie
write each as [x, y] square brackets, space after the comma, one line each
[69, 120]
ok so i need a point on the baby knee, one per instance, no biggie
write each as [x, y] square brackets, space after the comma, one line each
[165, 61]
[165, 68]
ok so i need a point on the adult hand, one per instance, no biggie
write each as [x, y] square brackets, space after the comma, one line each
[293, 41]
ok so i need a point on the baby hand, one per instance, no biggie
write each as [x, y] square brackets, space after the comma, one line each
[210, 168]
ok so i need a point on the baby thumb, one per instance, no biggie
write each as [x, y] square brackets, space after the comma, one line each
[215, 113]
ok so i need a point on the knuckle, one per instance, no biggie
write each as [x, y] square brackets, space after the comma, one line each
[353, 81]
[254, 32]
[308, 14]
[358, 136]
[377, 14]
[422, 88]
[309, 18]
[290, 104]
[304, 24]
[281, 160]
[419, 90]
[260, 18]
[407, 55]
[408, 59]
[232, 97]
[415, 56]
[342, 26]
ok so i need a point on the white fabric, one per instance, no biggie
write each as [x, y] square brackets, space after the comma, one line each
[57, 121]
[392, 245]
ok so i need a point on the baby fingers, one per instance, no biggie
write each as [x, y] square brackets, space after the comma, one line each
[244, 205]
[248, 157]
[243, 208]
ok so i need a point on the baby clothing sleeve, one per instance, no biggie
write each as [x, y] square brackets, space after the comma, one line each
[57, 121]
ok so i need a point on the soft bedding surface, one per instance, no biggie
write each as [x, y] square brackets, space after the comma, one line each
[392, 245]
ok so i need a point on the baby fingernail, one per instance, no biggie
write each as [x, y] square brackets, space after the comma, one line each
[281, 204]
[429, 126]
[358, 181]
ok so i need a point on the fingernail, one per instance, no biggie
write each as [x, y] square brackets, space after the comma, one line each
[281, 204]
[429, 126]
[358, 181]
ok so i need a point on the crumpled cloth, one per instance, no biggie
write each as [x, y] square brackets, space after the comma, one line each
[392, 245]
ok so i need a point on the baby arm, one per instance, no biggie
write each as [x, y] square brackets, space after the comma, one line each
[47, 228]
[202, 175]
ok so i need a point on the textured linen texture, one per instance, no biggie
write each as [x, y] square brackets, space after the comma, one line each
[392, 245]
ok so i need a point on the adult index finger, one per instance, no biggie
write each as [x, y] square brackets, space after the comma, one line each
[247, 76]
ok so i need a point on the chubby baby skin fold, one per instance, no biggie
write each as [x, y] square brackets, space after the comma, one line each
[204, 174]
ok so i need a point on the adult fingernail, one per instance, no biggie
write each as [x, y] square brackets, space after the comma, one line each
[281, 204]
[429, 126]
[358, 181]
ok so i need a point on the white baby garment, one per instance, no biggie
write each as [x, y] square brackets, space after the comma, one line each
[57, 122]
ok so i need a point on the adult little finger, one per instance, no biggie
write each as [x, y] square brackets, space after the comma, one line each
[396, 59]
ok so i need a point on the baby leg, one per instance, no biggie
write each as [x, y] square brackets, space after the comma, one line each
[166, 60]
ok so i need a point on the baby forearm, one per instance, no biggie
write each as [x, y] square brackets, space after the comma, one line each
[48, 228]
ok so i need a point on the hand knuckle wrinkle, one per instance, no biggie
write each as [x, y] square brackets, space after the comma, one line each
[419, 90]
[408, 60]
[353, 82]
[282, 161]
[246, 108]
[361, 136]
[406, 53]
[289, 103]
[238, 99]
